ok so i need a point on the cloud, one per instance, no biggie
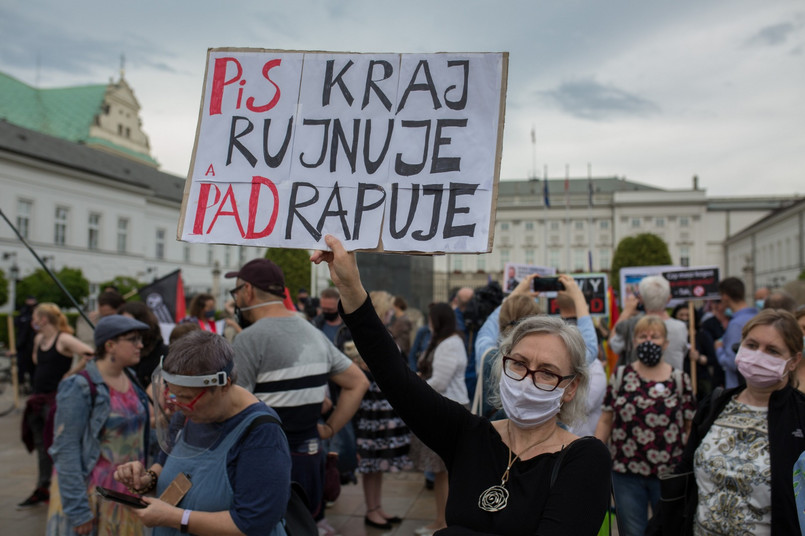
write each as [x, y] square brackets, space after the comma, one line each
[588, 99]
[776, 34]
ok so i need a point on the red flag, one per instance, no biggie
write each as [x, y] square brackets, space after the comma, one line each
[612, 357]
[288, 301]
[180, 301]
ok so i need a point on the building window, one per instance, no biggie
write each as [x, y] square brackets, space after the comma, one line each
[553, 258]
[529, 256]
[128, 132]
[504, 255]
[160, 244]
[659, 222]
[186, 254]
[209, 255]
[579, 225]
[60, 227]
[554, 226]
[578, 260]
[119, 130]
[504, 226]
[227, 256]
[603, 259]
[529, 226]
[635, 223]
[122, 235]
[684, 221]
[241, 256]
[480, 263]
[603, 224]
[684, 256]
[24, 210]
[458, 263]
[94, 230]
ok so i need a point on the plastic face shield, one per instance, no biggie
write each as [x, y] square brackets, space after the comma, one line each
[182, 430]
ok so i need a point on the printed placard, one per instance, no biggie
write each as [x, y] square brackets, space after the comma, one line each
[513, 273]
[694, 283]
[390, 152]
[594, 288]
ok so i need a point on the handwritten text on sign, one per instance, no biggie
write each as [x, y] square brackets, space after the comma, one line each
[398, 147]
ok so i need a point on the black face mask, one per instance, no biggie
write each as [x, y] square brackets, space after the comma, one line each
[240, 319]
[329, 317]
[649, 353]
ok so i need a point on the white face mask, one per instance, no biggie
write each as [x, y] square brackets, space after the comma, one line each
[526, 405]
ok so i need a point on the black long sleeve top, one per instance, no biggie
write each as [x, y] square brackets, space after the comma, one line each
[476, 456]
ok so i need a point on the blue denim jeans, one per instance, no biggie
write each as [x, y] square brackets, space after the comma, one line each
[633, 495]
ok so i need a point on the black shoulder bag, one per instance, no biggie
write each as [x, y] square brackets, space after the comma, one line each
[298, 520]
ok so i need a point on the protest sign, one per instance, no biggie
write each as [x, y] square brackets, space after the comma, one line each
[394, 152]
[694, 283]
[631, 276]
[514, 273]
[594, 288]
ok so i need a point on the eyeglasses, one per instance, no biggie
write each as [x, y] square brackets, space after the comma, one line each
[236, 289]
[170, 398]
[543, 379]
[134, 339]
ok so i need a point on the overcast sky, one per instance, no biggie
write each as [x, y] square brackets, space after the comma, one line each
[654, 93]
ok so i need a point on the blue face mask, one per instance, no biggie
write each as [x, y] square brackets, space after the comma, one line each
[759, 304]
[728, 311]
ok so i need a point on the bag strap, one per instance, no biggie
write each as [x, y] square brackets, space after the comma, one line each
[616, 387]
[93, 389]
[677, 374]
[257, 421]
[558, 464]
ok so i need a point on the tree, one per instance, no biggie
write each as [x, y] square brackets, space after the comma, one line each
[40, 284]
[295, 264]
[645, 249]
[125, 285]
[3, 288]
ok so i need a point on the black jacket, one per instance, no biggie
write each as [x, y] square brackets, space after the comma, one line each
[786, 444]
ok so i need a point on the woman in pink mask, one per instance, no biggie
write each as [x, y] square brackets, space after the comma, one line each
[745, 441]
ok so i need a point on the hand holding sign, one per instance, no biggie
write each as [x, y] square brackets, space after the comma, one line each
[343, 272]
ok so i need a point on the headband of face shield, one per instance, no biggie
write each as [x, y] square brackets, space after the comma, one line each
[180, 432]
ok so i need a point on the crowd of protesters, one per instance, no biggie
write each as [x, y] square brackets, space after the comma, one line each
[506, 410]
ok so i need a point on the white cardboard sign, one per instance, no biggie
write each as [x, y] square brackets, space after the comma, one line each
[390, 152]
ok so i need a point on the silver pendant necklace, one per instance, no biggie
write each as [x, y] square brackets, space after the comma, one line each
[496, 498]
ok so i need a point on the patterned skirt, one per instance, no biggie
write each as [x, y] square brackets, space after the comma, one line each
[382, 438]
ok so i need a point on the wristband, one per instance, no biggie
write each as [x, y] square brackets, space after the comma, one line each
[185, 521]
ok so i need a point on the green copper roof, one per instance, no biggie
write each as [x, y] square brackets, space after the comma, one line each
[66, 113]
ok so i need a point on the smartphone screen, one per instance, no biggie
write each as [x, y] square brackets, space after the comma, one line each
[547, 283]
[122, 498]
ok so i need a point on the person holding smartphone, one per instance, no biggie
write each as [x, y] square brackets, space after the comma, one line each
[222, 449]
[101, 421]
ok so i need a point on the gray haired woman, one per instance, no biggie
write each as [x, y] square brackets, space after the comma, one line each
[521, 475]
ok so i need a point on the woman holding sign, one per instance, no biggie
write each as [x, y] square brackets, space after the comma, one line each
[521, 475]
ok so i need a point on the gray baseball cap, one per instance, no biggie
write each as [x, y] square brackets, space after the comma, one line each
[112, 326]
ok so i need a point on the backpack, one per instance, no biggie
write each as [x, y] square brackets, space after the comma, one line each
[47, 433]
[297, 519]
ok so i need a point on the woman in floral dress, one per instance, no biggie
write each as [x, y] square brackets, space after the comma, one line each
[646, 419]
[98, 427]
